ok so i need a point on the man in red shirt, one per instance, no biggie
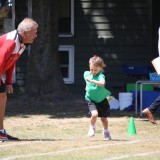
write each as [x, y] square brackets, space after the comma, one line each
[12, 44]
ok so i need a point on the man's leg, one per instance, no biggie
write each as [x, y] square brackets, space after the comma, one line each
[3, 100]
[155, 105]
[152, 109]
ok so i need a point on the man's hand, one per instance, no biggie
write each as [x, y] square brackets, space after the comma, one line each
[9, 88]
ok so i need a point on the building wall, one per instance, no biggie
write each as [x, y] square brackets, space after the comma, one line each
[117, 30]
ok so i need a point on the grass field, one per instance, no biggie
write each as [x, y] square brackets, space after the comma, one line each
[62, 136]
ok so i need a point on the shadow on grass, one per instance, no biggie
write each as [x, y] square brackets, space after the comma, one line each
[60, 111]
[76, 108]
[68, 108]
[28, 140]
[147, 121]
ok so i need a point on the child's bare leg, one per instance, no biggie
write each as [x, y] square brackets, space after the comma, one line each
[104, 122]
[106, 132]
[94, 115]
[92, 128]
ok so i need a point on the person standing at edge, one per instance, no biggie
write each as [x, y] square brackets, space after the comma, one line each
[12, 44]
[149, 111]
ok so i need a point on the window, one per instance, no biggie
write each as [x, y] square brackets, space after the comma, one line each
[7, 21]
[66, 58]
[6, 16]
[65, 14]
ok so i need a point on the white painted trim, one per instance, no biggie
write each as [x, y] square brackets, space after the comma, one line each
[30, 8]
[13, 14]
[13, 26]
[70, 49]
[72, 22]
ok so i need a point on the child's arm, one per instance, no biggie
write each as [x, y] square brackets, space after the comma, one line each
[98, 83]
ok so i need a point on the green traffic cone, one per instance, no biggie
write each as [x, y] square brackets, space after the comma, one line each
[131, 127]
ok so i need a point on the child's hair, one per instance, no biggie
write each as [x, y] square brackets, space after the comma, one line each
[97, 61]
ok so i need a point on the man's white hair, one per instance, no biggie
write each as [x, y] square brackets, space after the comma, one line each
[26, 25]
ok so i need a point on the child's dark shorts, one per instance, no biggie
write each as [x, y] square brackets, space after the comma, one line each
[102, 108]
[2, 87]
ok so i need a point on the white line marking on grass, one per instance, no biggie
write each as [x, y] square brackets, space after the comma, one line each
[133, 155]
[69, 150]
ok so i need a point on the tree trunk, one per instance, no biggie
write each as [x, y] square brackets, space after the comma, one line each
[44, 76]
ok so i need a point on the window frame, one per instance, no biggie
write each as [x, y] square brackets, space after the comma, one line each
[72, 23]
[70, 49]
[13, 27]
